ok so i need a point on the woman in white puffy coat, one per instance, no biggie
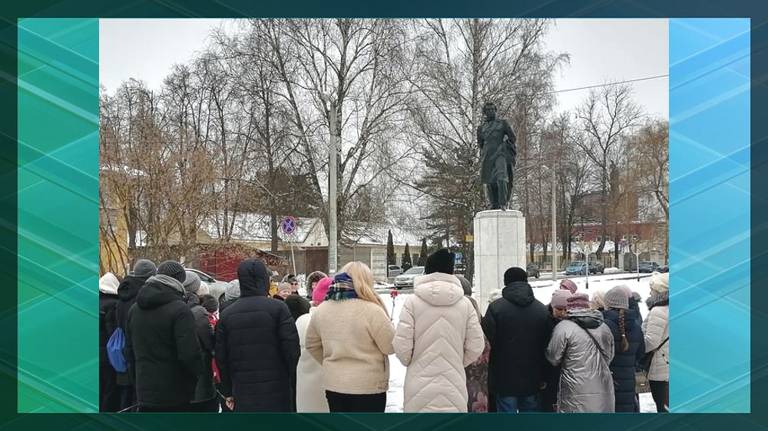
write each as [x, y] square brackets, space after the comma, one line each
[437, 336]
[656, 332]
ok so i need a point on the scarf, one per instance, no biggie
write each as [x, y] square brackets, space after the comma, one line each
[341, 289]
[657, 298]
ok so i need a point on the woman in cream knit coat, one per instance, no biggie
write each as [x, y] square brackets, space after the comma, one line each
[438, 335]
[351, 335]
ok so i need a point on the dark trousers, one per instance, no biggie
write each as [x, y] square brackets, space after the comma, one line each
[660, 393]
[348, 403]
[127, 397]
[109, 392]
[210, 406]
[166, 409]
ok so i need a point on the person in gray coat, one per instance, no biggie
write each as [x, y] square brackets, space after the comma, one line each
[582, 345]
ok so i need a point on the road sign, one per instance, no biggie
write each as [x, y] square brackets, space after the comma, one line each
[288, 225]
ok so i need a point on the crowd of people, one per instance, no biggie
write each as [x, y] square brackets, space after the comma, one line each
[169, 344]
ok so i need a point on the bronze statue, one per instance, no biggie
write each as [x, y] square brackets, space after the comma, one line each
[497, 157]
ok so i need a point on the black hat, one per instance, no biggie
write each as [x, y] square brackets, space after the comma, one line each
[173, 269]
[440, 261]
[515, 274]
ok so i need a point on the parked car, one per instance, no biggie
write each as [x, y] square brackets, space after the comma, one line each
[533, 270]
[394, 271]
[596, 267]
[215, 287]
[459, 269]
[664, 268]
[648, 266]
[405, 280]
[576, 268]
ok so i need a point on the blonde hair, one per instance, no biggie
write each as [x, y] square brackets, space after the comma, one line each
[362, 279]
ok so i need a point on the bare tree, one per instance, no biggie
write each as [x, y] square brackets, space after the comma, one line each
[605, 118]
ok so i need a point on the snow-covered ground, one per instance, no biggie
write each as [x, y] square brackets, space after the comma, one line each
[542, 290]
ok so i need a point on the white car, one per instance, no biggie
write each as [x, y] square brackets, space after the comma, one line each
[405, 280]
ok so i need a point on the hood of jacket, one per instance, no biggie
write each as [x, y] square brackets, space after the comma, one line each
[589, 319]
[108, 284]
[518, 293]
[129, 287]
[438, 289]
[232, 291]
[254, 278]
[159, 290]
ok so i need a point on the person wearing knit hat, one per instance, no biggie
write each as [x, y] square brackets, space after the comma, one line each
[515, 274]
[659, 282]
[320, 290]
[568, 285]
[583, 346]
[616, 298]
[656, 331]
[312, 280]
[192, 282]
[284, 289]
[161, 344]
[598, 300]
[557, 309]
[172, 269]
[440, 261]
[143, 268]
[231, 293]
[518, 327]
[630, 346]
[559, 303]
[109, 395]
[127, 292]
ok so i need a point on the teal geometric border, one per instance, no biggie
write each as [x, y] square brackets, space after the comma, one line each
[709, 108]
[58, 215]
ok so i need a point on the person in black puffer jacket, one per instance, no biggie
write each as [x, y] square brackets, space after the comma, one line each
[206, 399]
[109, 395]
[257, 346]
[518, 328]
[163, 353]
[127, 292]
[629, 346]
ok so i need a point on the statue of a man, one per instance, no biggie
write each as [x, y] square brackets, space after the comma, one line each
[497, 157]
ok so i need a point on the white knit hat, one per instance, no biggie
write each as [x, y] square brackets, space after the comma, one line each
[659, 282]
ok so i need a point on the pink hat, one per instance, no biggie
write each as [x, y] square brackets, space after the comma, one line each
[560, 298]
[321, 289]
[578, 301]
[568, 284]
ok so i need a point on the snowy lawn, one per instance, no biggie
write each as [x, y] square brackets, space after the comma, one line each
[542, 289]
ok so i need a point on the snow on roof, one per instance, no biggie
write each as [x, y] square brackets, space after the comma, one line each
[256, 227]
[376, 234]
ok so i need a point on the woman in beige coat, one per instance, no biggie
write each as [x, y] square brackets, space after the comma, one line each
[351, 335]
[438, 335]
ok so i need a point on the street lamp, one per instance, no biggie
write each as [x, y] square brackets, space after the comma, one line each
[554, 226]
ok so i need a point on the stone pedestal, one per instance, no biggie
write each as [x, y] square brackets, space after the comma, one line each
[499, 244]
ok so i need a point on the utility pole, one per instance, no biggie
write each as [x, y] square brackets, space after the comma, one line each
[554, 230]
[332, 182]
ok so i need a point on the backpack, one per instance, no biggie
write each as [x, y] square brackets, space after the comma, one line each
[115, 346]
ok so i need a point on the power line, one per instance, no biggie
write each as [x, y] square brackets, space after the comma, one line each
[647, 78]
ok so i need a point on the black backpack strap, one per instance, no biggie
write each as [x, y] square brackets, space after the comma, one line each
[594, 340]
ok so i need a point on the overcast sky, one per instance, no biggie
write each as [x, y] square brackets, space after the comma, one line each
[601, 50]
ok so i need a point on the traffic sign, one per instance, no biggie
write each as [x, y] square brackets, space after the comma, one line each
[288, 225]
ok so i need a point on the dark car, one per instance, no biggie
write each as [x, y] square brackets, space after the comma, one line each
[596, 267]
[664, 268]
[533, 270]
[648, 266]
